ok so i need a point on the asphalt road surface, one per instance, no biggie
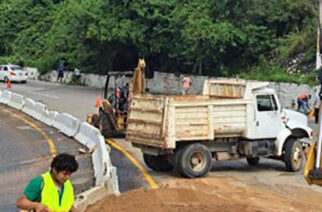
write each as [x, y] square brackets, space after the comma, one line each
[25, 153]
[78, 101]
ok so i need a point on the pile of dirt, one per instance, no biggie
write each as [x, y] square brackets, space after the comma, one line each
[208, 194]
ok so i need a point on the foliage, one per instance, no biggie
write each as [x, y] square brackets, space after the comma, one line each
[218, 38]
[270, 71]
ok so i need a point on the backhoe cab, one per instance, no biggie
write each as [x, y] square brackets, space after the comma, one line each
[112, 116]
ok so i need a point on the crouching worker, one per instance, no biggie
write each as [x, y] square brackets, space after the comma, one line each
[52, 191]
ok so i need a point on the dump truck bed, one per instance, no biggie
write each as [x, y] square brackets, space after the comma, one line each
[161, 121]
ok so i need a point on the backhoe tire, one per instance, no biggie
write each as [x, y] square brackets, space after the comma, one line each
[96, 121]
[294, 155]
[253, 161]
[194, 160]
[158, 163]
[104, 125]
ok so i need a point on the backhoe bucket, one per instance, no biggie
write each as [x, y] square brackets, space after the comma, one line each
[312, 175]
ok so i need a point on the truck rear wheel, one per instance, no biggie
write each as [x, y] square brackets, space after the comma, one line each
[193, 160]
[253, 161]
[294, 155]
[158, 163]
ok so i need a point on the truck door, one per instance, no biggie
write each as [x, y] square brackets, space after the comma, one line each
[268, 119]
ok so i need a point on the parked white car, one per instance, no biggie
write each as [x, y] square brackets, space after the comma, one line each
[14, 73]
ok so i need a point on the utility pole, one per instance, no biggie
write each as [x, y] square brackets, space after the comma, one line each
[318, 160]
[315, 173]
[319, 40]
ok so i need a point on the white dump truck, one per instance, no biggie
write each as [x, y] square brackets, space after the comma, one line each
[230, 120]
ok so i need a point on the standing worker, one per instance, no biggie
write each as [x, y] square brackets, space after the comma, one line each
[77, 76]
[52, 191]
[303, 102]
[186, 84]
[61, 68]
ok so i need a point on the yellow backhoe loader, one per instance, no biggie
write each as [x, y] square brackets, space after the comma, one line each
[112, 115]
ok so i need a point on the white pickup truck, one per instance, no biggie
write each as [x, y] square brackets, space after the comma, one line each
[230, 120]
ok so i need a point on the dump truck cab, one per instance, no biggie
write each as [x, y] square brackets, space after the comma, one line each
[268, 114]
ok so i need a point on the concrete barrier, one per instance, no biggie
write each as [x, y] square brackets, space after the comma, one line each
[29, 106]
[16, 101]
[34, 109]
[99, 167]
[90, 197]
[109, 171]
[67, 124]
[104, 171]
[39, 110]
[88, 135]
[49, 117]
[5, 97]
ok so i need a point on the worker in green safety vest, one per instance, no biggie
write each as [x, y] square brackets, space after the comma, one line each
[52, 191]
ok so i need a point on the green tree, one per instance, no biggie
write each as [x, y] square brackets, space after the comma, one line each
[197, 36]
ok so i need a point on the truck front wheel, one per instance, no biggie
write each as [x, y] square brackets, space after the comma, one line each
[193, 160]
[158, 163]
[294, 155]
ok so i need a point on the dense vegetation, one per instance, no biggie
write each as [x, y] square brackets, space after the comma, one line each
[252, 38]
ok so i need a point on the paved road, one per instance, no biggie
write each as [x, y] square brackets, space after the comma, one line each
[77, 101]
[80, 100]
[25, 153]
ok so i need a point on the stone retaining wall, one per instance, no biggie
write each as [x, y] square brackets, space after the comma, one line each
[165, 83]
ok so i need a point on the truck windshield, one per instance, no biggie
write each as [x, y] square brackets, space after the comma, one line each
[266, 103]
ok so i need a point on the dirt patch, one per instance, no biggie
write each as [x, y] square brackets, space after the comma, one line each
[209, 194]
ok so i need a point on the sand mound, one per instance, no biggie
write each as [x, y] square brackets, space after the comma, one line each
[208, 194]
